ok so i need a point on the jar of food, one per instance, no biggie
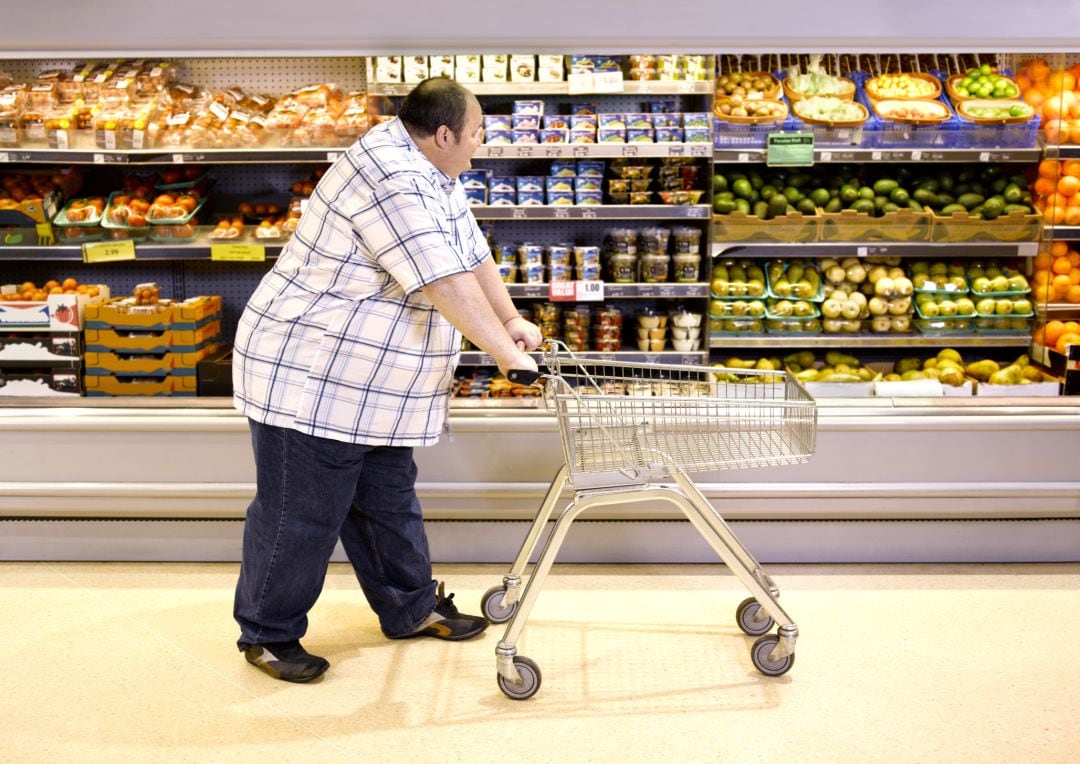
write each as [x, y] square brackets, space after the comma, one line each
[654, 268]
[687, 240]
[687, 267]
[623, 268]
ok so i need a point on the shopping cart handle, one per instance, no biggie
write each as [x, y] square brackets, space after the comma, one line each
[523, 376]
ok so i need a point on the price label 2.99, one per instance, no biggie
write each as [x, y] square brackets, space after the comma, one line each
[108, 251]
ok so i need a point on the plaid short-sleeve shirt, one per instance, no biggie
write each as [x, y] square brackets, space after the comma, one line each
[338, 341]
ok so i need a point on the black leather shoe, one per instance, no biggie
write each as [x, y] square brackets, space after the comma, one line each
[287, 661]
[445, 622]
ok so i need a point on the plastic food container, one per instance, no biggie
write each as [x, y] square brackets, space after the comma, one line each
[687, 240]
[623, 268]
[654, 268]
[687, 267]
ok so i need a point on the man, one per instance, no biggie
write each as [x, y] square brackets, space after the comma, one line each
[343, 362]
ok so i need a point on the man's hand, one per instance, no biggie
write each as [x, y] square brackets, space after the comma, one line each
[519, 361]
[526, 334]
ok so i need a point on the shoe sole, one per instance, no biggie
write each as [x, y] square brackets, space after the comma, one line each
[268, 669]
[445, 637]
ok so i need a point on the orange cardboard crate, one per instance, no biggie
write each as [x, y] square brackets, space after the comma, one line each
[171, 385]
[153, 340]
[123, 313]
[145, 364]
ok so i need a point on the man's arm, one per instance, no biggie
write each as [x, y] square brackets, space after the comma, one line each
[524, 332]
[463, 302]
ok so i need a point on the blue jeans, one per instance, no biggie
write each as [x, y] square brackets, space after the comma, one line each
[311, 491]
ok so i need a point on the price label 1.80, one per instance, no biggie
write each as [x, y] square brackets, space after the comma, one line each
[108, 251]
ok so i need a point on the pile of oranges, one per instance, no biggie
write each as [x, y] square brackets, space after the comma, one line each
[1058, 335]
[1056, 276]
[1053, 94]
[28, 291]
[1057, 191]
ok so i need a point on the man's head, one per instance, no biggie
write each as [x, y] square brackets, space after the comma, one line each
[445, 120]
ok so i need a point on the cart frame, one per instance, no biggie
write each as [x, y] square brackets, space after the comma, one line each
[635, 434]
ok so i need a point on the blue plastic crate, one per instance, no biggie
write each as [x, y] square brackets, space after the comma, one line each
[837, 137]
[888, 134]
[975, 136]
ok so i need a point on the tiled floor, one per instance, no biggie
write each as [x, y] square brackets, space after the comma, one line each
[916, 663]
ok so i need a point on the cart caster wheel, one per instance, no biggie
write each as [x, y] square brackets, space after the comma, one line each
[745, 615]
[759, 654]
[491, 605]
[530, 680]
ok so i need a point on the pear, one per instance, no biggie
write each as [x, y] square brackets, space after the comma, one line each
[982, 370]
[951, 354]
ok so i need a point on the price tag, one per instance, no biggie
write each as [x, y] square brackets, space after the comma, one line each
[676, 150]
[704, 149]
[553, 151]
[44, 230]
[744, 157]
[789, 150]
[4, 156]
[495, 151]
[984, 156]
[697, 211]
[826, 156]
[629, 151]
[525, 151]
[579, 82]
[243, 253]
[587, 214]
[108, 251]
[608, 82]
[519, 213]
[916, 155]
[581, 151]
[178, 158]
[561, 212]
[590, 291]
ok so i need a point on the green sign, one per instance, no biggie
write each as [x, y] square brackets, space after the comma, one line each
[789, 150]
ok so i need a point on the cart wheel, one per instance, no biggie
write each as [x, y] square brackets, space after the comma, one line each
[759, 654]
[491, 605]
[530, 680]
[745, 615]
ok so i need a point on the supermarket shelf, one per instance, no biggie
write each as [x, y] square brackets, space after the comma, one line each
[877, 249]
[142, 252]
[825, 155]
[1059, 232]
[596, 212]
[1057, 308]
[620, 291]
[891, 341]
[593, 150]
[1062, 152]
[525, 89]
[667, 357]
[172, 156]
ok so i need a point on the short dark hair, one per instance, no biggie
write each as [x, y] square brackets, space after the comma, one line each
[435, 102]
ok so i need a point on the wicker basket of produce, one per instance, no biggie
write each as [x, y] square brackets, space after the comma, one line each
[904, 86]
[747, 111]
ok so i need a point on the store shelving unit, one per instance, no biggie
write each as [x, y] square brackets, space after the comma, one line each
[912, 462]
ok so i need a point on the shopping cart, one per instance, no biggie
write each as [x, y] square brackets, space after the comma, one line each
[633, 432]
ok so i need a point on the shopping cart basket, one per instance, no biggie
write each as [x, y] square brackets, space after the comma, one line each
[633, 432]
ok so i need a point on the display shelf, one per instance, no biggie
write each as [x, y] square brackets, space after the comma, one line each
[1062, 232]
[898, 249]
[620, 291]
[525, 89]
[595, 212]
[148, 251]
[668, 357]
[1062, 152]
[826, 155]
[592, 150]
[897, 341]
[1057, 308]
[171, 156]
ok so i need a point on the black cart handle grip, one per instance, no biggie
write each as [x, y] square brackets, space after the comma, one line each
[523, 376]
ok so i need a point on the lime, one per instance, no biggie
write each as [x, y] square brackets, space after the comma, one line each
[1016, 111]
[1011, 91]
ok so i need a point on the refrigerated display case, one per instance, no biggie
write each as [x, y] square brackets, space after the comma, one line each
[904, 474]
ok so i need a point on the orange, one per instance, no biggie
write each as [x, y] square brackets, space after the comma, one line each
[1073, 295]
[1061, 284]
[1071, 167]
[1068, 185]
[1073, 257]
[1053, 330]
[1059, 248]
[1072, 213]
[1074, 275]
[1054, 215]
[1042, 260]
[1062, 79]
[1038, 336]
[1057, 131]
[1035, 99]
[69, 283]
[1065, 340]
[1023, 81]
[1072, 327]
[1041, 277]
[1057, 200]
[1061, 265]
[1042, 293]
[1045, 186]
[1038, 69]
[1051, 168]
[1074, 131]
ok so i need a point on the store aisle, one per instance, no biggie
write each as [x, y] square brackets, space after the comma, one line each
[913, 663]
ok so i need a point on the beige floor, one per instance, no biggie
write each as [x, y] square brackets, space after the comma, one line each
[913, 663]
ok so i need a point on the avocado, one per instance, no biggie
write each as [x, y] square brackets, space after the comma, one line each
[820, 196]
[848, 194]
[761, 210]
[723, 206]
[743, 206]
[970, 201]
[719, 183]
[777, 205]
[1013, 193]
[834, 205]
[768, 191]
[863, 205]
[806, 206]
[742, 188]
[899, 195]
[949, 209]
[885, 186]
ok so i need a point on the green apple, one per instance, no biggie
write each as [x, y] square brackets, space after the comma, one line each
[1022, 306]
[930, 309]
[965, 307]
[939, 269]
[1004, 307]
[1018, 283]
[851, 310]
[920, 266]
[981, 284]
[999, 284]
[986, 306]
[878, 306]
[756, 308]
